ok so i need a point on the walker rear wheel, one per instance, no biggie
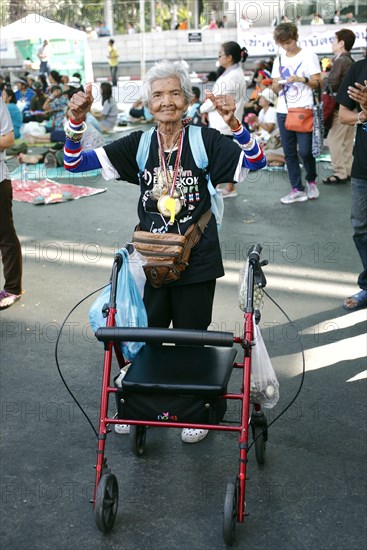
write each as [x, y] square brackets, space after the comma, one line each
[107, 497]
[230, 513]
[260, 444]
[137, 439]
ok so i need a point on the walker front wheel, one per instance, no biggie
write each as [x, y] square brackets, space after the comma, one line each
[107, 497]
[230, 513]
[137, 439]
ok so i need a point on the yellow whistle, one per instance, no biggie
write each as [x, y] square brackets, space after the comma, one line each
[170, 205]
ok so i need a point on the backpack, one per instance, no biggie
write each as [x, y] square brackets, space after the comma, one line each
[200, 158]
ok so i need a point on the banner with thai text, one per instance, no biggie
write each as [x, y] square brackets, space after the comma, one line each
[319, 41]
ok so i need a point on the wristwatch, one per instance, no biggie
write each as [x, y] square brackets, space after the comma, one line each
[306, 79]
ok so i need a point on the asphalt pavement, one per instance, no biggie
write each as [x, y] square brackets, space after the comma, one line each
[311, 493]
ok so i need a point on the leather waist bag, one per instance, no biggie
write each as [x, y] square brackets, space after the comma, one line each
[168, 254]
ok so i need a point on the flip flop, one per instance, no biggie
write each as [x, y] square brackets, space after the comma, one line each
[334, 179]
[360, 300]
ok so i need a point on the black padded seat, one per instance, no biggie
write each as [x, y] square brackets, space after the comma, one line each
[180, 370]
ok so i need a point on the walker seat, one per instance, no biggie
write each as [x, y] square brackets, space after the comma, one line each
[180, 370]
[176, 384]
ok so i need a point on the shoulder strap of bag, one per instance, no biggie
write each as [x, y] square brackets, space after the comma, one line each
[194, 232]
[281, 74]
[197, 147]
[201, 160]
[143, 149]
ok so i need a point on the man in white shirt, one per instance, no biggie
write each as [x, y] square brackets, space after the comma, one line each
[44, 57]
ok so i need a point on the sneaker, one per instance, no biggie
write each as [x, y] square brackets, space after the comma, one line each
[190, 435]
[312, 191]
[122, 429]
[7, 299]
[294, 196]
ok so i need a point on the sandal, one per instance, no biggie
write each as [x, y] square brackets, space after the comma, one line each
[334, 179]
[357, 301]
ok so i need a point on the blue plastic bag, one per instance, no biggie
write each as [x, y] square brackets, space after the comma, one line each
[129, 305]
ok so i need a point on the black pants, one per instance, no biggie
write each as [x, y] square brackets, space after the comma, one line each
[187, 306]
[9, 243]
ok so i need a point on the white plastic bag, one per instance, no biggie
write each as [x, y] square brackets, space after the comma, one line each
[136, 262]
[242, 290]
[264, 383]
[33, 128]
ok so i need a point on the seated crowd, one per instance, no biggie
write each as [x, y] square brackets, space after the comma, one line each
[38, 106]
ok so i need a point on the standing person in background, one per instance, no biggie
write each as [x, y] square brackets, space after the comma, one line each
[299, 71]
[340, 136]
[352, 98]
[113, 60]
[9, 243]
[44, 57]
[231, 82]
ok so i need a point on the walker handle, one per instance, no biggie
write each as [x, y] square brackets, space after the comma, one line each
[254, 253]
[254, 259]
[160, 335]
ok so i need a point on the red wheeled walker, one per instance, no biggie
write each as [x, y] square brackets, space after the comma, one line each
[181, 386]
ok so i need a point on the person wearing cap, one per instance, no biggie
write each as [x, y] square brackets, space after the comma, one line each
[23, 92]
[74, 83]
[23, 96]
[267, 119]
[31, 79]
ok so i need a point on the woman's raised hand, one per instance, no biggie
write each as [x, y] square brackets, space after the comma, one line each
[80, 104]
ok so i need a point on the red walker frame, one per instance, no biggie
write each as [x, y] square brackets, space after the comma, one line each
[105, 498]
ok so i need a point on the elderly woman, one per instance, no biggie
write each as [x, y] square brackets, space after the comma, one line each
[170, 167]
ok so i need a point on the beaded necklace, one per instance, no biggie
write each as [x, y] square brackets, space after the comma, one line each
[169, 198]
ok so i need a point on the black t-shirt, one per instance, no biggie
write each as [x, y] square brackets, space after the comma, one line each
[357, 73]
[223, 156]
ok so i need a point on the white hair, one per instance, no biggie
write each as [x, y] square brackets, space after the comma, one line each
[166, 69]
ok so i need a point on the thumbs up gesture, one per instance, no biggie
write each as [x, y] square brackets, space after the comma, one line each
[80, 104]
